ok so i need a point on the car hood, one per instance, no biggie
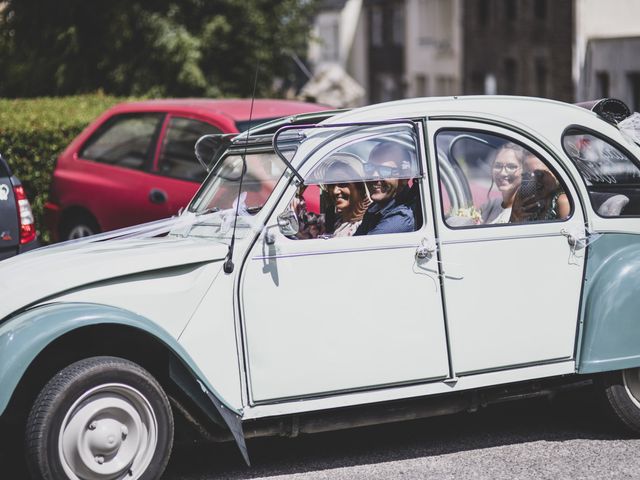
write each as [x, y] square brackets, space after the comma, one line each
[32, 277]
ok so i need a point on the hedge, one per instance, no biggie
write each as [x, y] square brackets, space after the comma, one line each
[33, 132]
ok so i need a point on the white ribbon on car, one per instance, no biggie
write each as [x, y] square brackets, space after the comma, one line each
[630, 128]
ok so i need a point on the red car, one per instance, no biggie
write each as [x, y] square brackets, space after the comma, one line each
[136, 162]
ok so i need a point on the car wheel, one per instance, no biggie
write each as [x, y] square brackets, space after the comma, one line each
[100, 418]
[79, 227]
[622, 391]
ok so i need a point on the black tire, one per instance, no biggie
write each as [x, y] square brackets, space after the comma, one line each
[83, 417]
[79, 226]
[622, 393]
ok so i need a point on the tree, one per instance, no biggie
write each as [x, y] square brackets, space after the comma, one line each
[153, 47]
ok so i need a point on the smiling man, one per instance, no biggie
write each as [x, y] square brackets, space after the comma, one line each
[389, 212]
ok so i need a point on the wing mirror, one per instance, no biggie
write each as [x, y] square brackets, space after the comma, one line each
[288, 223]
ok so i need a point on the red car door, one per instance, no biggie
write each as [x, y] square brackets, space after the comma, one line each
[178, 174]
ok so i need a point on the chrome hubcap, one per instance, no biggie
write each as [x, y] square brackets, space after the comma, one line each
[80, 231]
[109, 433]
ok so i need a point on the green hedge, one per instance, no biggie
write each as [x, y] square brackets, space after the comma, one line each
[33, 132]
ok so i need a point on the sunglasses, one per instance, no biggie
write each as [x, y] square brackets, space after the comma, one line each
[370, 169]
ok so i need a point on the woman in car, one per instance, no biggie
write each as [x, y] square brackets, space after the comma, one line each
[547, 200]
[349, 198]
[506, 175]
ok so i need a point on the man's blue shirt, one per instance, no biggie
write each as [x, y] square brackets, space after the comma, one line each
[394, 217]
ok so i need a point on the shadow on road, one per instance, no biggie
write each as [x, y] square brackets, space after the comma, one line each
[573, 415]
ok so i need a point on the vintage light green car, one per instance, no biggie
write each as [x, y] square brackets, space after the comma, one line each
[439, 253]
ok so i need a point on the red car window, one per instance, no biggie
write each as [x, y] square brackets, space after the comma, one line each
[124, 140]
[177, 157]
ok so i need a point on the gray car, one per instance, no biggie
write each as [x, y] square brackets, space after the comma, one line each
[17, 227]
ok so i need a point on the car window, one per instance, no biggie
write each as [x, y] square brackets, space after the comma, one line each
[177, 158]
[487, 179]
[364, 182]
[124, 140]
[612, 176]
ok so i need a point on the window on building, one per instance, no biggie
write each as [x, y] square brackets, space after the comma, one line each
[602, 84]
[483, 12]
[444, 85]
[510, 77]
[634, 89]
[330, 38]
[397, 24]
[377, 24]
[540, 9]
[541, 77]
[510, 10]
[476, 83]
[422, 85]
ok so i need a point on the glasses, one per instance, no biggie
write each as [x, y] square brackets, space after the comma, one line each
[509, 167]
[370, 169]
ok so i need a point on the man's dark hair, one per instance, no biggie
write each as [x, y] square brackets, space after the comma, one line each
[387, 147]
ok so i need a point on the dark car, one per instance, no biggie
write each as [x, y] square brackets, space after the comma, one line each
[17, 228]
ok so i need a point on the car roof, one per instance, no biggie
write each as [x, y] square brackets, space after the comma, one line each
[236, 109]
[547, 117]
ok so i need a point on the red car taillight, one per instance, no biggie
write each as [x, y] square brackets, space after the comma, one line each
[27, 225]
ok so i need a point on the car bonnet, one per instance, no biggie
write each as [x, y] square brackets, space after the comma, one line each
[33, 277]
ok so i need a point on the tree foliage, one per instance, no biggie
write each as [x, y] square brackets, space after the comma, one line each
[150, 48]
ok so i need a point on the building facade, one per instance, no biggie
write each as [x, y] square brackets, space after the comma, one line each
[518, 47]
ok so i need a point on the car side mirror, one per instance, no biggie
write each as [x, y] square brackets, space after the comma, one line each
[288, 223]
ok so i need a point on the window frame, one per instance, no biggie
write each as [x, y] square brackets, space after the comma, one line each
[150, 160]
[162, 137]
[535, 151]
[422, 159]
[606, 139]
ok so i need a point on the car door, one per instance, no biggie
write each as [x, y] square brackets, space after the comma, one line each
[512, 291]
[325, 314]
[113, 171]
[178, 172]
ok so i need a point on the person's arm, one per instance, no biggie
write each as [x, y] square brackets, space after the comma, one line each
[564, 207]
[397, 222]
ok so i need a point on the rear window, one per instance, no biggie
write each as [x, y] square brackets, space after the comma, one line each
[125, 140]
[611, 174]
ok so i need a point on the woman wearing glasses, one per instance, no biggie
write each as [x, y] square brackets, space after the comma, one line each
[506, 172]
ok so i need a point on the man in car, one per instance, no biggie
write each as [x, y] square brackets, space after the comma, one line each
[390, 211]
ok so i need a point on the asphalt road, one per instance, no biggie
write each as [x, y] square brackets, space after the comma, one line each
[567, 438]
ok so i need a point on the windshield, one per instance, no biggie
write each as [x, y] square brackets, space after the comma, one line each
[223, 193]
[261, 173]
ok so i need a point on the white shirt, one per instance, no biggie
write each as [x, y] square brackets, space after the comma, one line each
[503, 216]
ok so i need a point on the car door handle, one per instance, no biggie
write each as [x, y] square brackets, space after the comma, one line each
[157, 196]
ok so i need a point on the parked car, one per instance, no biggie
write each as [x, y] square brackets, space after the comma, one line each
[234, 322]
[17, 228]
[135, 163]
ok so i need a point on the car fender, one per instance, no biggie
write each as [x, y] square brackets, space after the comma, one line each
[611, 305]
[24, 336]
